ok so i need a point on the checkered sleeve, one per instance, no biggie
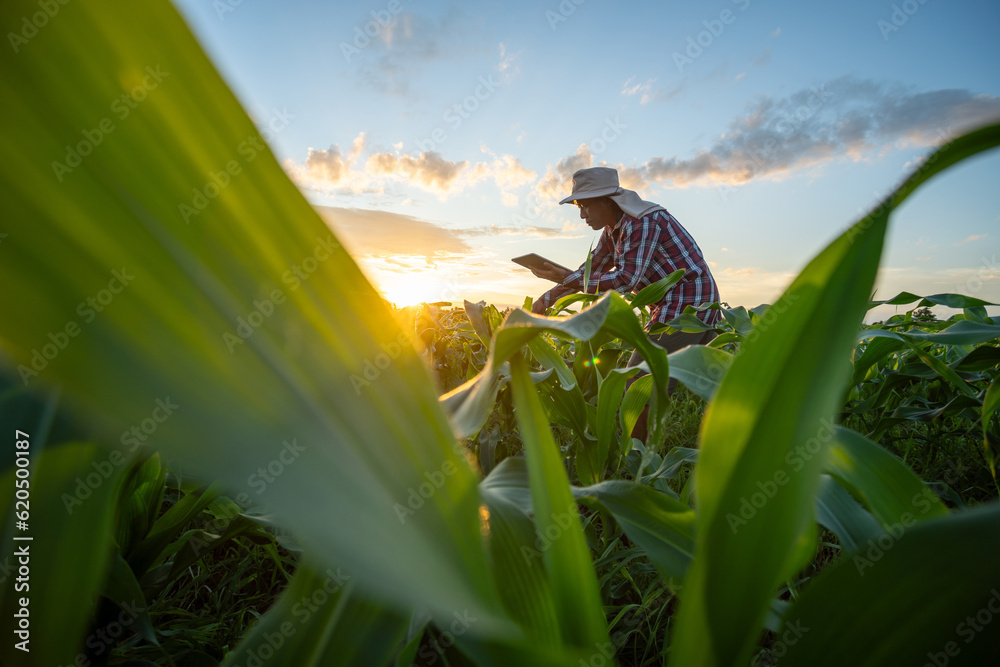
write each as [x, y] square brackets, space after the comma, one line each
[573, 282]
[638, 245]
[549, 298]
[600, 261]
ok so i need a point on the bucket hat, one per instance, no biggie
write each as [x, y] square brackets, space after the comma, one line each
[596, 182]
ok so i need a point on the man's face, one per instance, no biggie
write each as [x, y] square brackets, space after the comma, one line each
[598, 213]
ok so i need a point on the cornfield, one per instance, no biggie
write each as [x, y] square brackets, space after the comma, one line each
[170, 395]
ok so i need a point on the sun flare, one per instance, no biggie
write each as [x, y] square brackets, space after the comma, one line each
[410, 290]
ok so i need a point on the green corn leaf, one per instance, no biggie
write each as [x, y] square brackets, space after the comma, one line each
[124, 590]
[476, 314]
[726, 338]
[991, 403]
[168, 526]
[950, 300]
[775, 398]
[844, 517]
[662, 527]
[943, 572]
[584, 368]
[608, 401]
[509, 483]
[319, 620]
[984, 357]
[877, 349]
[739, 319]
[883, 342]
[922, 414]
[72, 509]
[207, 313]
[570, 299]
[943, 369]
[469, 404]
[963, 332]
[567, 406]
[654, 293]
[407, 655]
[516, 551]
[689, 323]
[658, 524]
[883, 483]
[550, 359]
[567, 560]
[672, 463]
[635, 399]
[700, 368]
[141, 499]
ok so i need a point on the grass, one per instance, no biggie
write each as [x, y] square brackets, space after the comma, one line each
[946, 454]
[202, 614]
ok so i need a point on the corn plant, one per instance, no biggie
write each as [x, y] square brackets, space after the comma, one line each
[178, 222]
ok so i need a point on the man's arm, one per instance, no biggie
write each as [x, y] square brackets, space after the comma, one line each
[546, 301]
[573, 282]
[600, 261]
[638, 246]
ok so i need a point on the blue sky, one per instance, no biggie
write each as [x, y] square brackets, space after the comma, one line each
[437, 144]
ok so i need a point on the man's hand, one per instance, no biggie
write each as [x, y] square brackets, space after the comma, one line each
[538, 307]
[549, 272]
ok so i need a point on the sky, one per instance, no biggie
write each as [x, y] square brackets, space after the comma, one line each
[437, 138]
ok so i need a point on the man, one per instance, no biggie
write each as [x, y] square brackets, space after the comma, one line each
[640, 245]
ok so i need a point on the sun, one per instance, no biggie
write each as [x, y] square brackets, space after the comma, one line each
[408, 290]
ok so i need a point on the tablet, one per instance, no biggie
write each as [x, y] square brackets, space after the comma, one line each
[536, 261]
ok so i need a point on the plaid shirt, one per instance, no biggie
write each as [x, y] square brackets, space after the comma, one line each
[639, 252]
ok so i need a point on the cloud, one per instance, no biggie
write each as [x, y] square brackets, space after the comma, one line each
[741, 273]
[330, 167]
[558, 182]
[845, 118]
[650, 94]
[326, 165]
[405, 46]
[631, 178]
[532, 231]
[508, 66]
[507, 172]
[357, 146]
[428, 170]
[413, 260]
[629, 89]
[988, 272]
[368, 233]
[974, 237]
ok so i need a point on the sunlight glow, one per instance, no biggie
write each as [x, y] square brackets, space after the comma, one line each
[409, 290]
